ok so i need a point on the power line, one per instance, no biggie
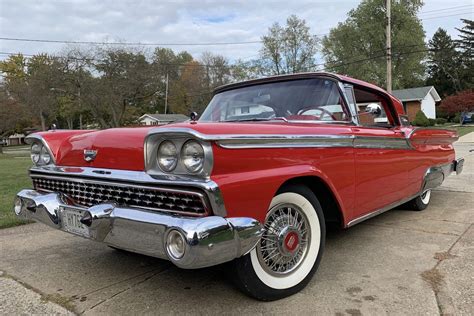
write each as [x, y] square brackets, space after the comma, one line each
[442, 16]
[125, 43]
[26, 55]
[35, 40]
[447, 9]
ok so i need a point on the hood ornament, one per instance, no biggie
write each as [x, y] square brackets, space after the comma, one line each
[89, 154]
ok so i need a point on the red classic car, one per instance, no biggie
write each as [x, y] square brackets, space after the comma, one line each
[253, 182]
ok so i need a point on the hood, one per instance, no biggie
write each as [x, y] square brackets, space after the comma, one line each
[118, 148]
[123, 148]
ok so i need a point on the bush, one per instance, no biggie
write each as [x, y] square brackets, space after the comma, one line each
[432, 122]
[441, 121]
[420, 119]
[456, 118]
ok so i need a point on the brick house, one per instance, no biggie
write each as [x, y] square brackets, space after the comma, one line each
[416, 99]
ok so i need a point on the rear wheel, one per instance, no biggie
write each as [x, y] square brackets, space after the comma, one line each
[421, 202]
[288, 254]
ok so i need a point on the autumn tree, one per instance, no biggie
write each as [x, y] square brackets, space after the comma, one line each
[356, 47]
[126, 82]
[188, 93]
[30, 81]
[14, 116]
[166, 63]
[460, 102]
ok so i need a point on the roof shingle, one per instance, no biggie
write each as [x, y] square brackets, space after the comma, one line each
[412, 94]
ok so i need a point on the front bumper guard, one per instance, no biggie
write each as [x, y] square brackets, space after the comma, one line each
[208, 240]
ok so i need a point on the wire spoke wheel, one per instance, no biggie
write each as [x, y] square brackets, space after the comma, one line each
[290, 249]
[285, 241]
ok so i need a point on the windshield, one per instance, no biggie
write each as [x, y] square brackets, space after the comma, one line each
[315, 99]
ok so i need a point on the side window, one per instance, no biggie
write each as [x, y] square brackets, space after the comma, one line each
[364, 98]
[324, 104]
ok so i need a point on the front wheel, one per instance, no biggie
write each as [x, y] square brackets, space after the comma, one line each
[289, 252]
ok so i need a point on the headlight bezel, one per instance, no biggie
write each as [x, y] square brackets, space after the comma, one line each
[153, 168]
[42, 150]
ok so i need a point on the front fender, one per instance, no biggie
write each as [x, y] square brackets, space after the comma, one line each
[250, 193]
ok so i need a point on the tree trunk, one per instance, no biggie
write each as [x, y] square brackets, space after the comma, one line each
[43, 121]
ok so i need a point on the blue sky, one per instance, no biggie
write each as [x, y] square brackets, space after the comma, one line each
[185, 21]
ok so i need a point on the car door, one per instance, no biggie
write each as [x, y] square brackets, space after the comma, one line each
[381, 155]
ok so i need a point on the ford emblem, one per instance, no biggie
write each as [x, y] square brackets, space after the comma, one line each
[89, 154]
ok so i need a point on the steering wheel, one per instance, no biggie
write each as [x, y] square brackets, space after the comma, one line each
[323, 110]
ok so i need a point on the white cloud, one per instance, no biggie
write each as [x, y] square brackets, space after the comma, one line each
[189, 21]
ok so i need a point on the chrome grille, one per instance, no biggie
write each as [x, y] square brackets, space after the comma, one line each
[87, 193]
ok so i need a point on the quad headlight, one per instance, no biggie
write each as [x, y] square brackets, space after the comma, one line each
[192, 156]
[182, 156]
[45, 156]
[36, 152]
[167, 156]
[40, 154]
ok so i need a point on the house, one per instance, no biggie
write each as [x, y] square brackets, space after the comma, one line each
[15, 139]
[416, 99]
[161, 119]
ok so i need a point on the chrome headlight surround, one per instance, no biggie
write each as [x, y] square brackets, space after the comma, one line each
[39, 151]
[152, 166]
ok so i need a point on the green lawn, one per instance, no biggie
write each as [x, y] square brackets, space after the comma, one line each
[464, 130]
[14, 164]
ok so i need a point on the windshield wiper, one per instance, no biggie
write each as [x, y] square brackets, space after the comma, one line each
[256, 119]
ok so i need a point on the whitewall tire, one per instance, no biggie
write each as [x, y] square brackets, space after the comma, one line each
[288, 254]
[422, 201]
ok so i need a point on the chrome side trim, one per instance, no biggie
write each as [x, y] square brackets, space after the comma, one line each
[241, 141]
[210, 188]
[286, 141]
[35, 137]
[381, 142]
[380, 211]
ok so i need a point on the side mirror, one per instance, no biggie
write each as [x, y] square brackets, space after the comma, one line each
[193, 116]
[373, 109]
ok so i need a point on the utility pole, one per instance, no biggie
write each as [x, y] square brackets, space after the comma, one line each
[389, 48]
[80, 106]
[166, 94]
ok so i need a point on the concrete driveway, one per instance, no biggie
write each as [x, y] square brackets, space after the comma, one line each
[401, 262]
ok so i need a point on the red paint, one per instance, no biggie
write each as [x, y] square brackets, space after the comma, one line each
[291, 241]
[361, 179]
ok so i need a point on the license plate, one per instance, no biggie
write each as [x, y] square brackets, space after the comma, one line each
[72, 221]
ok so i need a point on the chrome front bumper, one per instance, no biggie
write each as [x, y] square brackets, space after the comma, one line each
[209, 240]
